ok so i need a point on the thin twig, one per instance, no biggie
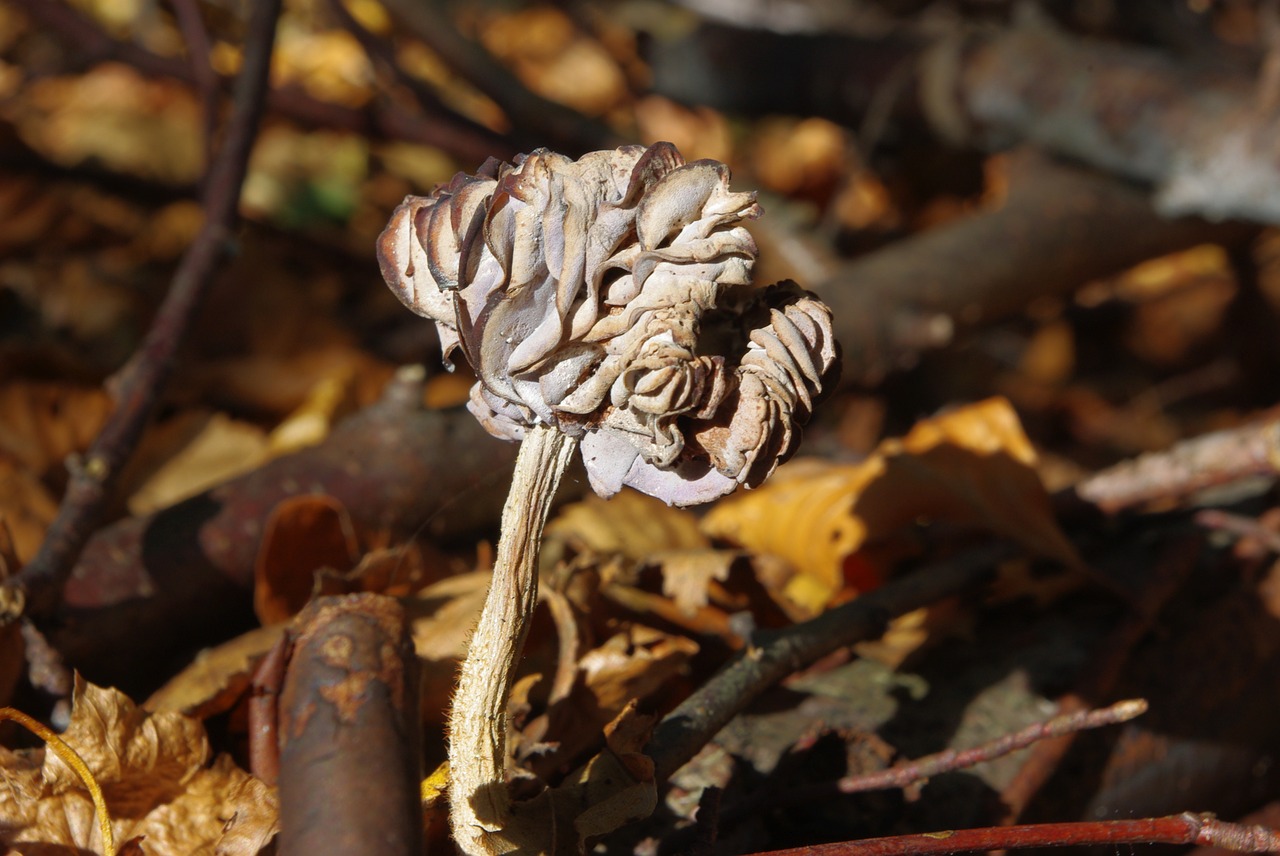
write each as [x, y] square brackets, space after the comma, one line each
[199, 49]
[553, 124]
[1103, 672]
[1193, 465]
[775, 654]
[382, 54]
[916, 771]
[383, 119]
[901, 775]
[143, 378]
[1186, 828]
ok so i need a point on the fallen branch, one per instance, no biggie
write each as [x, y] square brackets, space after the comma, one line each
[185, 574]
[350, 751]
[772, 655]
[142, 380]
[1185, 468]
[1186, 828]
[1206, 142]
[1060, 227]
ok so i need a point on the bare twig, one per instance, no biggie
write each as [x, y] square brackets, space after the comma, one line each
[547, 123]
[775, 654]
[1186, 828]
[198, 54]
[143, 378]
[1101, 675]
[1192, 465]
[1060, 227]
[901, 775]
[447, 130]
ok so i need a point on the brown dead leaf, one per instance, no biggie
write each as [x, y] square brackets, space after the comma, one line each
[633, 665]
[26, 508]
[687, 573]
[630, 524]
[556, 59]
[442, 617]
[112, 114]
[303, 535]
[152, 770]
[973, 465]
[204, 450]
[42, 423]
[217, 677]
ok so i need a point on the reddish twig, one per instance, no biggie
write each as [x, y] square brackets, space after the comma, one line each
[264, 711]
[1186, 828]
[772, 655]
[143, 378]
[1103, 673]
[913, 772]
[1060, 227]
[350, 748]
[1192, 465]
[196, 36]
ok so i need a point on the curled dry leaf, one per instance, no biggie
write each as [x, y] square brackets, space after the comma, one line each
[970, 465]
[608, 297]
[152, 770]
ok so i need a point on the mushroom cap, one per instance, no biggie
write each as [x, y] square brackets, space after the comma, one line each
[611, 297]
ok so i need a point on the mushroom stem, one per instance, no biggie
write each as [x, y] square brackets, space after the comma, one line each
[480, 805]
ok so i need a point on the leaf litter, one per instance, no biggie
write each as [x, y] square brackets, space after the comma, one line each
[653, 598]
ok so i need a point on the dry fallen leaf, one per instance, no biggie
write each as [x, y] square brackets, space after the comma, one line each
[152, 769]
[630, 524]
[303, 535]
[26, 508]
[972, 465]
[217, 677]
[42, 423]
[217, 449]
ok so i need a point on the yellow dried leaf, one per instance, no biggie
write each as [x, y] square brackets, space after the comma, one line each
[42, 423]
[972, 465]
[216, 677]
[26, 508]
[630, 524]
[221, 449]
[329, 400]
[555, 59]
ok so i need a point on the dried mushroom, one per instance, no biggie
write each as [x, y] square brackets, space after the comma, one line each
[585, 293]
[604, 303]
